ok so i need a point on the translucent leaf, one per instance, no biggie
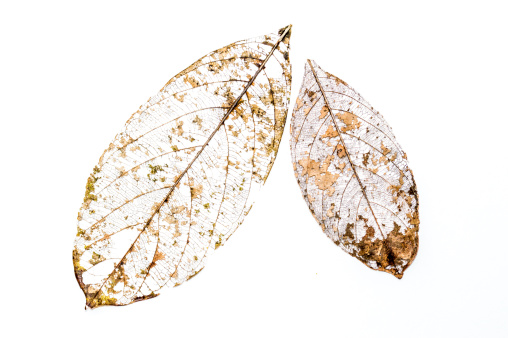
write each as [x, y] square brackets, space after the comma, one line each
[353, 174]
[179, 179]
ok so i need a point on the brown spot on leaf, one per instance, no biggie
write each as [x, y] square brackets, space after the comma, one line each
[330, 132]
[324, 111]
[192, 81]
[384, 149]
[349, 120]
[341, 151]
[196, 189]
[299, 103]
[323, 178]
[198, 121]
[329, 212]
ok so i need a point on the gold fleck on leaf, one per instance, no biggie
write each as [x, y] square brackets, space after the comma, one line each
[330, 132]
[324, 112]
[370, 208]
[299, 103]
[341, 151]
[186, 164]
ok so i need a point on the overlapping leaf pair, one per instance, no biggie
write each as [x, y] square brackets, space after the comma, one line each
[179, 179]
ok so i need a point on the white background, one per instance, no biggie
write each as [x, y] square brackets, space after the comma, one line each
[71, 73]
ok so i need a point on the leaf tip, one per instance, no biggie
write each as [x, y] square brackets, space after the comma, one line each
[311, 63]
[90, 304]
[398, 275]
[285, 30]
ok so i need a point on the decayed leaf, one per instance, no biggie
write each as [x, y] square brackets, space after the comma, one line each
[353, 174]
[179, 179]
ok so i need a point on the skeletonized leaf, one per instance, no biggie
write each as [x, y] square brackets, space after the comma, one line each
[353, 174]
[180, 177]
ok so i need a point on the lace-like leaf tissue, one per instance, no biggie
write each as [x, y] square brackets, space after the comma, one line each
[353, 174]
[179, 179]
